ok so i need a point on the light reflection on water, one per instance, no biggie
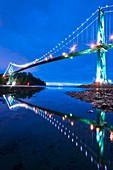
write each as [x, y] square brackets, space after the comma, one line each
[91, 134]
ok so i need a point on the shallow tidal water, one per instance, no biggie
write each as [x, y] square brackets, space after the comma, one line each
[50, 130]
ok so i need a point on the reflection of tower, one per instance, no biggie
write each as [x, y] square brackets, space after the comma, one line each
[11, 100]
[100, 134]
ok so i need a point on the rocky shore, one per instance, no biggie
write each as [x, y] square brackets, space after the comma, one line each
[101, 98]
[96, 86]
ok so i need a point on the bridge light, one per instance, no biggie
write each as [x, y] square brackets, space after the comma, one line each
[35, 61]
[14, 83]
[111, 136]
[72, 123]
[86, 153]
[71, 57]
[65, 54]
[98, 43]
[73, 48]
[63, 118]
[50, 115]
[92, 45]
[71, 115]
[51, 56]
[111, 37]
[28, 83]
[8, 83]
[91, 127]
[46, 59]
[99, 81]
[109, 81]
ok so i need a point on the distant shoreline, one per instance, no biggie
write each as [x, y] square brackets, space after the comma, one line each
[5, 89]
[96, 86]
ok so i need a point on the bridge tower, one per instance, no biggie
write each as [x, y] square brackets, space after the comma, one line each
[10, 75]
[101, 58]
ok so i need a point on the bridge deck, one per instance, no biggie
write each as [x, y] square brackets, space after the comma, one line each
[104, 47]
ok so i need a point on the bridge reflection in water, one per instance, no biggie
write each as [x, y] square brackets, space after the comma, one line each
[66, 124]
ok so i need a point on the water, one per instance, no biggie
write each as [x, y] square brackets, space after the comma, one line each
[53, 131]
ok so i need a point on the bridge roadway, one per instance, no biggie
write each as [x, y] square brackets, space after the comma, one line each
[102, 47]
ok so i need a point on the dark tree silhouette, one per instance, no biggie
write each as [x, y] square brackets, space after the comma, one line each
[23, 79]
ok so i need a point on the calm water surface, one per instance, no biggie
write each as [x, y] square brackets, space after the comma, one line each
[53, 131]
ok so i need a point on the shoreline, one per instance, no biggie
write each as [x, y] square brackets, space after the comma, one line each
[101, 98]
[95, 86]
[19, 89]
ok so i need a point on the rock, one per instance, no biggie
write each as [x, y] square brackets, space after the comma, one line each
[90, 111]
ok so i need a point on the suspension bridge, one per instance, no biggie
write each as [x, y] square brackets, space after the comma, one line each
[95, 32]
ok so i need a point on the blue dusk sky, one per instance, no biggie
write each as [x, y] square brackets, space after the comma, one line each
[31, 28]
